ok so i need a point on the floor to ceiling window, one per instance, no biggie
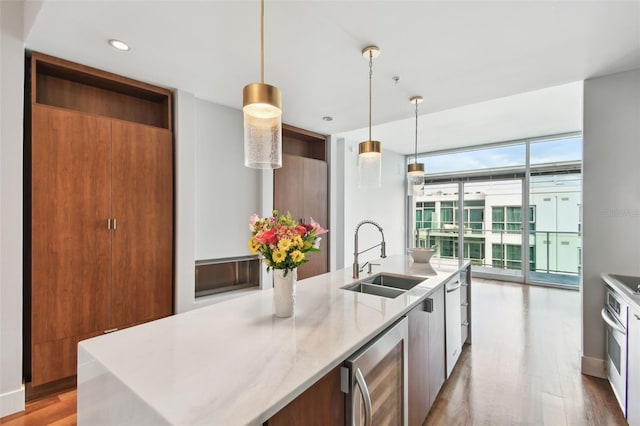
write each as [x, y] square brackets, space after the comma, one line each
[520, 215]
[555, 189]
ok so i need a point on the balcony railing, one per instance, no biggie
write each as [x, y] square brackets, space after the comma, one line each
[554, 256]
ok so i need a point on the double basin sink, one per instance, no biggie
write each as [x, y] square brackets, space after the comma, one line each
[385, 285]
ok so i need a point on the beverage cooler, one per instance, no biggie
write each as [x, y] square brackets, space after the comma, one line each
[374, 380]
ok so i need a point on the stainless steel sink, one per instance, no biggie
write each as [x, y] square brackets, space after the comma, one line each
[385, 285]
[632, 283]
[396, 281]
[376, 290]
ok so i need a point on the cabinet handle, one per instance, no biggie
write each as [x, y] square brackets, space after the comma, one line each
[366, 398]
[457, 286]
[428, 305]
[109, 224]
[610, 322]
[115, 224]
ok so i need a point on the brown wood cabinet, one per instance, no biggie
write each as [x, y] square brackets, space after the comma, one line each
[100, 240]
[322, 404]
[301, 188]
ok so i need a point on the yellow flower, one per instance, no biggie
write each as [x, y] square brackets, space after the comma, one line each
[284, 244]
[298, 242]
[253, 245]
[279, 256]
[297, 256]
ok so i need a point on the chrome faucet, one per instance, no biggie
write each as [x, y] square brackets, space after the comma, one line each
[383, 247]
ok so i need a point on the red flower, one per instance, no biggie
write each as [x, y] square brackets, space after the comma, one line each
[267, 237]
[301, 230]
[272, 238]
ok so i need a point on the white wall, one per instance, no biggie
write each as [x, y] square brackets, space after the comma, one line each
[226, 192]
[385, 205]
[11, 115]
[215, 193]
[336, 203]
[611, 198]
[185, 141]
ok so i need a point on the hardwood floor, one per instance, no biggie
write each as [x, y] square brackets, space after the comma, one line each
[57, 410]
[522, 369]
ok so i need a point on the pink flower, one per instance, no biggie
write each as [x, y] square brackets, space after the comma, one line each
[319, 229]
[254, 218]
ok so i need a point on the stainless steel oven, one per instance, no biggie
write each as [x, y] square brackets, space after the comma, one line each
[614, 315]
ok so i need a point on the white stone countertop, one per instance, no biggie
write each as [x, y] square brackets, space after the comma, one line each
[234, 362]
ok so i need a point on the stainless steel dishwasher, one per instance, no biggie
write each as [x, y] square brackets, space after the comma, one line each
[374, 380]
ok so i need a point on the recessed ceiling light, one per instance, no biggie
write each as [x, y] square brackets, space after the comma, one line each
[327, 118]
[119, 44]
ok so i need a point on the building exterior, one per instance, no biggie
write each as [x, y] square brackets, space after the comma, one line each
[493, 221]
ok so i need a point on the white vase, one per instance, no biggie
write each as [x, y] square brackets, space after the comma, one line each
[284, 292]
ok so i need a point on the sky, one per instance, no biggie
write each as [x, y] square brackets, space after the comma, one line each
[557, 150]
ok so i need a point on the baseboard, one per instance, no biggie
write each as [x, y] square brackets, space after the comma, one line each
[593, 367]
[12, 402]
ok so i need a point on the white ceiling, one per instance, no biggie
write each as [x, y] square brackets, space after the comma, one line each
[542, 112]
[453, 53]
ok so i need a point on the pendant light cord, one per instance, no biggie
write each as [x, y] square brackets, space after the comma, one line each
[262, 41]
[416, 145]
[370, 76]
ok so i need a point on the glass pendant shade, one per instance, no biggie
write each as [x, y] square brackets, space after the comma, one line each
[262, 126]
[369, 164]
[415, 173]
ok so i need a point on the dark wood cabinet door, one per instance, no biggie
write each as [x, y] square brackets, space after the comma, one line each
[288, 187]
[70, 242]
[142, 179]
[315, 205]
[322, 404]
[300, 187]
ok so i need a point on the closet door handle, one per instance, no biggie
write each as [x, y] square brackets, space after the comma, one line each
[109, 224]
[115, 224]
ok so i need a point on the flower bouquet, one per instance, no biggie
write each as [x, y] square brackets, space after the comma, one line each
[282, 241]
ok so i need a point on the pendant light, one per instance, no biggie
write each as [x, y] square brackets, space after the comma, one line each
[262, 108]
[415, 170]
[370, 151]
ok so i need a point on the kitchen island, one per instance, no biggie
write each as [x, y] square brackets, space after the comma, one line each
[235, 362]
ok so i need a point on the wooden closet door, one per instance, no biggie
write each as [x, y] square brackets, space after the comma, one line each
[300, 187]
[142, 171]
[70, 242]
